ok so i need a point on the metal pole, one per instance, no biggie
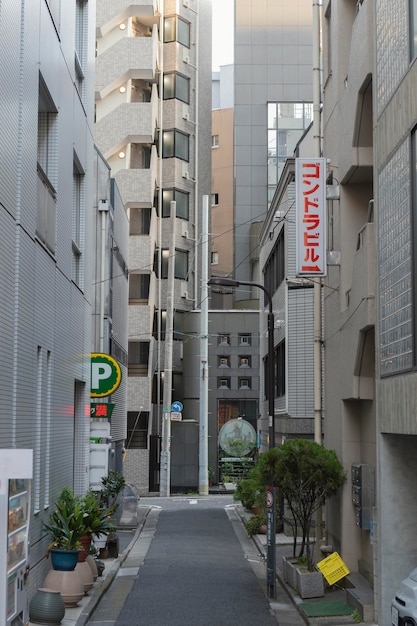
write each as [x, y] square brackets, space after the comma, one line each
[271, 491]
[165, 484]
[317, 285]
[203, 421]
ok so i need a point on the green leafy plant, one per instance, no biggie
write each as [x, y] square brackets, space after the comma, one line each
[66, 524]
[112, 485]
[254, 524]
[96, 517]
[308, 474]
[357, 616]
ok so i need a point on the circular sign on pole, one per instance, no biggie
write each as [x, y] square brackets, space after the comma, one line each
[177, 407]
[106, 375]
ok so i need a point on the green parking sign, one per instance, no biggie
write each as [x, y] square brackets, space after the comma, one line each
[106, 375]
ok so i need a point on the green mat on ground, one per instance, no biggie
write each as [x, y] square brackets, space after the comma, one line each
[323, 609]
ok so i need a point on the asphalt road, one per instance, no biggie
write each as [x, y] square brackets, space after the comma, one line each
[197, 568]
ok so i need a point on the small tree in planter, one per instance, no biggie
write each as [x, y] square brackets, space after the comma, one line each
[307, 474]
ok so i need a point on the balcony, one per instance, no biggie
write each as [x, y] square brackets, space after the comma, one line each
[128, 58]
[129, 122]
[137, 186]
[110, 13]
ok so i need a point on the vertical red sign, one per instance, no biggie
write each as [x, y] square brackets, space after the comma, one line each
[310, 181]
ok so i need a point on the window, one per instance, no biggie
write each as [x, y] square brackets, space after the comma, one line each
[274, 270]
[287, 122]
[137, 430]
[280, 369]
[214, 199]
[413, 28]
[138, 357]
[77, 219]
[214, 258]
[139, 221]
[224, 361]
[175, 144]
[244, 383]
[176, 86]
[214, 141]
[224, 340]
[182, 200]
[245, 339]
[177, 29]
[81, 35]
[181, 264]
[223, 383]
[178, 330]
[139, 287]
[47, 166]
[244, 361]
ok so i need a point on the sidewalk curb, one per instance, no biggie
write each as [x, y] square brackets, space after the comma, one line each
[261, 549]
[101, 589]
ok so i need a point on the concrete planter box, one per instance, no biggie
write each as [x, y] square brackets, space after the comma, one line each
[310, 584]
[289, 569]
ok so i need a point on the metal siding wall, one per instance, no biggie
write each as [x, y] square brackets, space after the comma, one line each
[50, 311]
[300, 353]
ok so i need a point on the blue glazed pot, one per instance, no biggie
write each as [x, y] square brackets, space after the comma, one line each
[64, 560]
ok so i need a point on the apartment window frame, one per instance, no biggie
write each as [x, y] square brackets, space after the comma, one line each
[139, 285]
[214, 199]
[182, 200]
[214, 259]
[181, 268]
[224, 340]
[245, 339]
[175, 144]
[47, 168]
[177, 29]
[223, 361]
[137, 430]
[78, 218]
[223, 382]
[245, 361]
[138, 358]
[245, 384]
[215, 141]
[280, 369]
[176, 86]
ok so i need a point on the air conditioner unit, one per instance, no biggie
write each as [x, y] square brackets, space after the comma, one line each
[184, 229]
[184, 290]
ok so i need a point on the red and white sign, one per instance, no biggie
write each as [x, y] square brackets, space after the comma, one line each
[310, 200]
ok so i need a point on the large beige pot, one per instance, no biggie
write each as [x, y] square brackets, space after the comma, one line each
[68, 584]
[86, 575]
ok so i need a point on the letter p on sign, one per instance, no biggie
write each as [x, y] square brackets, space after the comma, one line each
[106, 375]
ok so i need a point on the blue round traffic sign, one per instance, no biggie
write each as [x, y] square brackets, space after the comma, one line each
[176, 407]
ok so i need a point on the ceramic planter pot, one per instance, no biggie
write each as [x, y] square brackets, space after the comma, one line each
[68, 584]
[86, 575]
[85, 543]
[46, 607]
[64, 560]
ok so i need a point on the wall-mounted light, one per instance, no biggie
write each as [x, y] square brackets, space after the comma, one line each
[122, 155]
[122, 26]
[122, 89]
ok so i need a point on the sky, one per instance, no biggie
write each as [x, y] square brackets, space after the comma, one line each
[222, 33]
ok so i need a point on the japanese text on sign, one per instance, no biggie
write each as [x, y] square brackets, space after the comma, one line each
[310, 178]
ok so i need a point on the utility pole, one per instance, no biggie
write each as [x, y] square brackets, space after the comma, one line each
[317, 284]
[165, 471]
[203, 421]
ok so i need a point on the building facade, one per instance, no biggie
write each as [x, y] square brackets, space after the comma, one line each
[349, 288]
[47, 254]
[153, 126]
[272, 68]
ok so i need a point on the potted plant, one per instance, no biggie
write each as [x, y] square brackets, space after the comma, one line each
[65, 527]
[97, 520]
